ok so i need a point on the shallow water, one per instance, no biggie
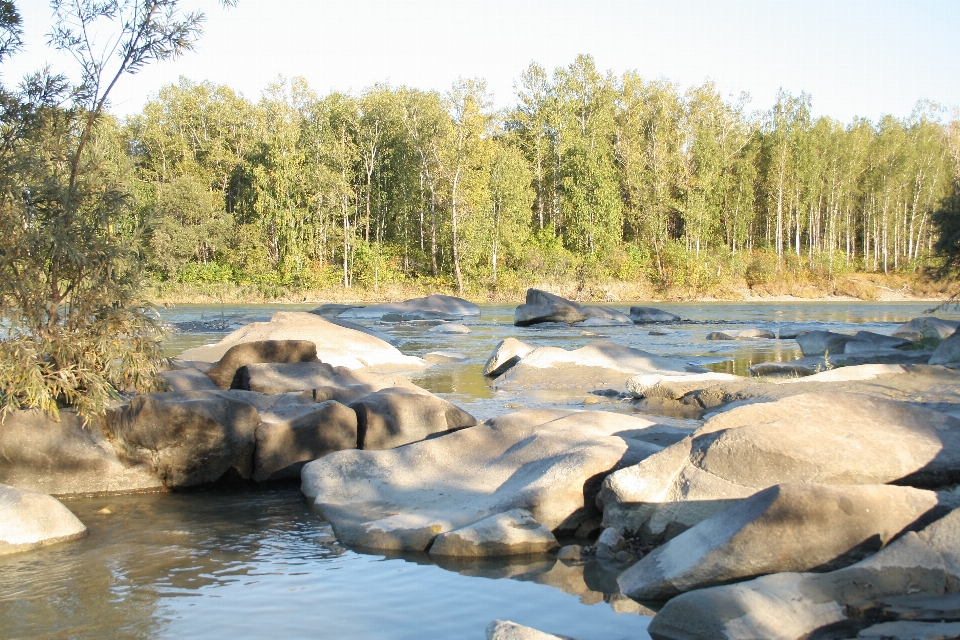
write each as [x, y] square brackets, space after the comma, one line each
[252, 563]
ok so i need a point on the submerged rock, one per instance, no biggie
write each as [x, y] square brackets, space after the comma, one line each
[32, 519]
[449, 327]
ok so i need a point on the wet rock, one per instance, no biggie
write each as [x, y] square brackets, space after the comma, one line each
[643, 315]
[65, 457]
[513, 532]
[830, 438]
[505, 355]
[547, 462]
[817, 343]
[926, 329]
[228, 372]
[31, 519]
[541, 306]
[187, 439]
[434, 306]
[788, 527]
[506, 630]
[336, 345]
[804, 605]
[295, 434]
[449, 327]
[395, 416]
[948, 352]
[441, 357]
[610, 543]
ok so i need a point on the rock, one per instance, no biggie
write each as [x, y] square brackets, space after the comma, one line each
[849, 374]
[547, 462]
[228, 372]
[441, 357]
[796, 368]
[869, 349]
[610, 543]
[830, 438]
[32, 519]
[661, 332]
[803, 605]
[283, 377]
[948, 352]
[505, 355]
[787, 333]
[332, 310]
[336, 345]
[449, 327]
[513, 532]
[741, 334]
[657, 385]
[929, 328]
[600, 322]
[65, 458]
[603, 317]
[506, 630]
[722, 335]
[787, 527]
[187, 439]
[643, 315]
[600, 363]
[880, 340]
[396, 416]
[429, 307]
[188, 380]
[912, 630]
[290, 437]
[818, 343]
[570, 553]
[541, 306]
[348, 385]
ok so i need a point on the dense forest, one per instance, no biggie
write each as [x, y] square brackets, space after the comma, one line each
[588, 177]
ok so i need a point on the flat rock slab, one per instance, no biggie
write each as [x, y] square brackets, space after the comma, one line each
[435, 305]
[547, 462]
[66, 457]
[948, 352]
[270, 378]
[830, 438]
[228, 372]
[188, 380]
[336, 345]
[788, 527]
[514, 532]
[31, 519]
[791, 606]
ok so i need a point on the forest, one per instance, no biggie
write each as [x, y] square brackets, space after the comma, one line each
[589, 177]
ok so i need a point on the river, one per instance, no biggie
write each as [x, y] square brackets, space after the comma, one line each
[247, 562]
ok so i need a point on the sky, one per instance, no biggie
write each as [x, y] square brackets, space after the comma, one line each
[857, 58]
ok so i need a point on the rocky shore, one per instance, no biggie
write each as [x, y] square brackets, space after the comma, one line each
[815, 499]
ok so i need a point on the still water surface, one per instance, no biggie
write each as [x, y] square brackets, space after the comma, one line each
[255, 563]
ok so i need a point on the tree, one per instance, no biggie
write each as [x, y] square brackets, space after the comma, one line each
[76, 328]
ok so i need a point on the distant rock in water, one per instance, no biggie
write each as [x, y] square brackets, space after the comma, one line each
[644, 315]
[543, 307]
[432, 307]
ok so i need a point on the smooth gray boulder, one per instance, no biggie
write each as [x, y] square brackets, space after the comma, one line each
[228, 372]
[66, 457]
[644, 315]
[428, 307]
[284, 377]
[187, 439]
[948, 351]
[513, 532]
[541, 306]
[396, 416]
[791, 606]
[881, 340]
[830, 438]
[856, 347]
[549, 462]
[336, 345]
[596, 316]
[188, 380]
[449, 327]
[506, 630]
[927, 328]
[348, 385]
[442, 357]
[505, 355]
[30, 519]
[292, 435]
[818, 343]
[787, 527]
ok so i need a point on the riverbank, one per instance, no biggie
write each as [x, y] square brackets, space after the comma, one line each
[858, 286]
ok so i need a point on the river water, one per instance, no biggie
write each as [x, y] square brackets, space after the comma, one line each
[247, 562]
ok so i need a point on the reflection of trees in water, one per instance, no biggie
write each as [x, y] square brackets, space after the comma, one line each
[110, 584]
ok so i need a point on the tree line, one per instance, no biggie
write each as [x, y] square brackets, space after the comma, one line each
[587, 175]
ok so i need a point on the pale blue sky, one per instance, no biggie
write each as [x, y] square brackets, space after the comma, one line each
[855, 57]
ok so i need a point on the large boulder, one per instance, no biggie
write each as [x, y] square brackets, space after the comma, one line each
[228, 373]
[66, 457]
[336, 345]
[188, 379]
[507, 630]
[787, 527]
[948, 351]
[505, 355]
[187, 439]
[32, 519]
[881, 340]
[792, 606]
[294, 434]
[818, 343]
[602, 317]
[396, 416]
[513, 532]
[926, 329]
[830, 438]
[269, 377]
[348, 385]
[427, 308]
[547, 462]
[644, 315]
[541, 306]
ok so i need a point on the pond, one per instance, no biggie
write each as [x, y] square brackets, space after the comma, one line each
[255, 562]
